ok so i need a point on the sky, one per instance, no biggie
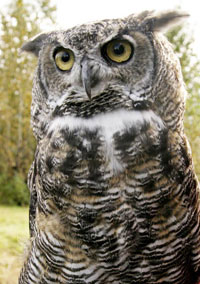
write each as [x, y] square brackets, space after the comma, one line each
[73, 12]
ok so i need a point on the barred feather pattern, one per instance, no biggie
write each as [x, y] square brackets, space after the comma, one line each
[114, 196]
[114, 205]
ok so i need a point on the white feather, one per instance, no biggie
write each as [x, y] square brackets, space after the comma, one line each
[110, 122]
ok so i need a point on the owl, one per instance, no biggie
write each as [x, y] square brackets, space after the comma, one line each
[113, 193]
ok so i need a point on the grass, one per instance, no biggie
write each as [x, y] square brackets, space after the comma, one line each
[14, 233]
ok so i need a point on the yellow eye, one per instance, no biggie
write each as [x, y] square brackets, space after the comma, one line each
[64, 59]
[118, 51]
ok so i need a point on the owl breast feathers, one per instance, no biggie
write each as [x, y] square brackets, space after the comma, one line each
[114, 196]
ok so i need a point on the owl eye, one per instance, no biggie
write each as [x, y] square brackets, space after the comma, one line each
[64, 58]
[118, 51]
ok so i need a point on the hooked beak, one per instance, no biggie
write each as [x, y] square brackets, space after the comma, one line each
[86, 77]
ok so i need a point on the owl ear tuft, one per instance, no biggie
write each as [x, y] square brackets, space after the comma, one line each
[162, 21]
[34, 45]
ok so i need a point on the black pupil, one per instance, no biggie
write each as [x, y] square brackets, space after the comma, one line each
[118, 48]
[65, 56]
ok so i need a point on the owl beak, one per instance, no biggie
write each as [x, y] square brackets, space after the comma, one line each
[86, 77]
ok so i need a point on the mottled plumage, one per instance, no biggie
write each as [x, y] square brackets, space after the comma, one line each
[114, 196]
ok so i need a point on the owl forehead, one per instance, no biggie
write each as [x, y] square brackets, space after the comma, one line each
[88, 35]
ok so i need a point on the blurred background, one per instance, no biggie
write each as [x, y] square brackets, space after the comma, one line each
[21, 20]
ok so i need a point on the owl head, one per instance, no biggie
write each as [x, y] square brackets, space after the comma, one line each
[107, 65]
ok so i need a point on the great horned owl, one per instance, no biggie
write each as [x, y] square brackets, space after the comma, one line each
[114, 196]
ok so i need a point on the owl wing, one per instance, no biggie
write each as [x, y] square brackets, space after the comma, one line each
[33, 195]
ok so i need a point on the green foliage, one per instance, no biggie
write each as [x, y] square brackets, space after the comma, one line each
[182, 42]
[13, 190]
[22, 21]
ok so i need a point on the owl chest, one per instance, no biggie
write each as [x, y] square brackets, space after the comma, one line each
[98, 171]
[83, 156]
[106, 180]
[89, 154]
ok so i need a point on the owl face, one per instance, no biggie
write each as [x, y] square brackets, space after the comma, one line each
[84, 63]
[103, 66]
